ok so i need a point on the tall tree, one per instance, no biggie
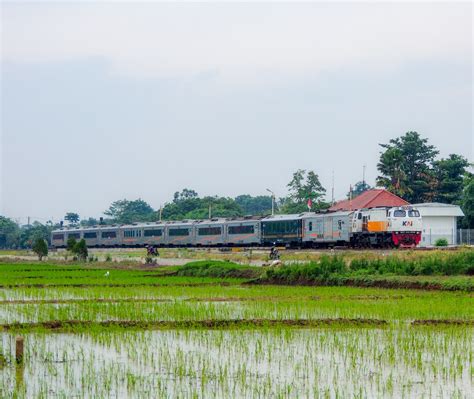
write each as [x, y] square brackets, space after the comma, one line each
[449, 174]
[304, 186]
[405, 167]
[125, 211]
[72, 217]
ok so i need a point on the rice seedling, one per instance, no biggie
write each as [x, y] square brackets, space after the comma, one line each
[142, 333]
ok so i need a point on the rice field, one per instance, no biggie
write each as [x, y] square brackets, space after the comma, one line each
[97, 333]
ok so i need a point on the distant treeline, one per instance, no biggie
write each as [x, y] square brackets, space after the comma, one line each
[408, 167]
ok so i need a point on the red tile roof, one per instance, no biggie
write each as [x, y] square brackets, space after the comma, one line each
[369, 199]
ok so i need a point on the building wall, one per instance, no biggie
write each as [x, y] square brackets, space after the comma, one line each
[435, 227]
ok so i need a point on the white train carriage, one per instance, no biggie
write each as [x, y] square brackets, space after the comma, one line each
[326, 229]
[132, 235]
[243, 231]
[110, 236]
[154, 234]
[179, 233]
[58, 238]
[209, 232]
[91, 236]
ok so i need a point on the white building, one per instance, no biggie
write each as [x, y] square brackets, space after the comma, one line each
[439, 221]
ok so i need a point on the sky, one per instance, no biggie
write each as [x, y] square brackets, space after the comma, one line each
[102, 101]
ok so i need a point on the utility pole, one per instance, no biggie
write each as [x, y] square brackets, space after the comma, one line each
[332, 190]
[161, 212]
[28, 221]
[363, 174]
[273, 201]
[210, 210]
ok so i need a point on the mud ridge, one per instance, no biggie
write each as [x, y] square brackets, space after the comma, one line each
[443, 322]
[392, 284]
[71, 325]
[85, 285]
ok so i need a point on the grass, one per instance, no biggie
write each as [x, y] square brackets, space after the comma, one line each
[210, 268]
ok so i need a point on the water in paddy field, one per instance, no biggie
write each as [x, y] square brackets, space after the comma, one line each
[295, 363]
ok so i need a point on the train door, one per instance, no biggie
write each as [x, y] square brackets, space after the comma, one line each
[357, 222]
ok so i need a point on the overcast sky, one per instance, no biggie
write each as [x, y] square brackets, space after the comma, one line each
[106, 101]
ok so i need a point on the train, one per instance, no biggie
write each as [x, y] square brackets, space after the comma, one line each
[372, 227]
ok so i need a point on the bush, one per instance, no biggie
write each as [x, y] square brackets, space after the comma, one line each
[71, 243]
[441, 242]
[211, 268]
[80, 250]
[40, 248]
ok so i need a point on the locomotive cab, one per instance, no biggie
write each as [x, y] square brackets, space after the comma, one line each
[386, 227]
[405, 225]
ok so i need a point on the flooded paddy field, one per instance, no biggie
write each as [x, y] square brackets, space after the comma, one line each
[132, 334]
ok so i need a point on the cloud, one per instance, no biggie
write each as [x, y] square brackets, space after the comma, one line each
[257, 41]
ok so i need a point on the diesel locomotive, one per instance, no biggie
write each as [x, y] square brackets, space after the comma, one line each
[373, 227]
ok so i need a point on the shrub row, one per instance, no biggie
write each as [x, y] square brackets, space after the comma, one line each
[210, 268]
[333, 267]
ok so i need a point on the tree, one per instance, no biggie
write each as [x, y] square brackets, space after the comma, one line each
[358, 189]
[468, 201]
[72, 218]
[185, 194]
[9, 233]
[30, 233]
[449, 178]
[303, 187]
[405, 167]
[71, 243]
[80, 250]
[89, 222]
[125, 211]
[40, 248]
[259, 205]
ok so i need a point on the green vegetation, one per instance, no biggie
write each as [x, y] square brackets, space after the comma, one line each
[210, 268]
[408, 168]
[338, 270]
[80, 250]
[111, 326]
[40, 248]
[441, 242]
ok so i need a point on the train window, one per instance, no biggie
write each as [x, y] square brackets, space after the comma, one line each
[209, 231]
[90, 234]
[284, 227]
[74, 235]
[128, 233]
[153, 233]
[58, 236]
[310, 226]
[359, 216]
[414, 214]
[178, 232]
[399, 213]
[109, 234]
[241, 230]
